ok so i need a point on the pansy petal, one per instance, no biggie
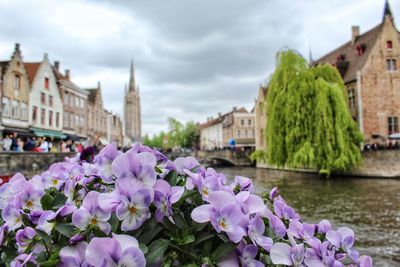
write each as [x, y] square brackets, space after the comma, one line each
[280, 254]
[132, 257]
[202, 213]
[80, 218]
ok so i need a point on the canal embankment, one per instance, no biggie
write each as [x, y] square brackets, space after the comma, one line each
[376, 163]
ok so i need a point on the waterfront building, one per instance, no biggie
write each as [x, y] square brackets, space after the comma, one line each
[239, 125]
[115, 129]
[45, 105]
[211, 133]
[74, 101]
[132, 113]
[369, 65]
[14, 95]
[96, 117]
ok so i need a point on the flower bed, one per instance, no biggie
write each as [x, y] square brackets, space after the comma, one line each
[140, 209]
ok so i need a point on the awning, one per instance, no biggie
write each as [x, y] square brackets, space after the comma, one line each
[49, 133]
[20, 131]
[394, 136]
[74, 137]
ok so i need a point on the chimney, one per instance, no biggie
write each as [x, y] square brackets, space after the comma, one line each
[67, 74]
[57, 65]
[219, 114]
[234, 108]
[45, 56]
[16, 46]
[355, 32]
[98, 84]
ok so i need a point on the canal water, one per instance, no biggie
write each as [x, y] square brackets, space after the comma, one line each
[371, 207]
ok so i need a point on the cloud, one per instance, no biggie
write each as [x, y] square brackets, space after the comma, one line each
[193, 59]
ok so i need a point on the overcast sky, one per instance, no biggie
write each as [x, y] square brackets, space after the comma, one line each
[193, 58]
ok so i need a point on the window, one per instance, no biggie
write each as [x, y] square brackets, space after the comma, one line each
[46, 83]
[76, 101]
[50, 100]
[14, 111]
[71, 120]
[66, 119]
[245, 133]
[71, 100]
[17, 82]
[352, 98]
[77, 120]
[23, 111]
[66, 97]
[238, 133]
[50, 118]
[393, 124]
[43, 98]
[82, 104]
[57, 119]
[391, 65]
[6, 106]
[389, 45]
[242, 122]
[43, 116]
[249, 122]
[34, 113]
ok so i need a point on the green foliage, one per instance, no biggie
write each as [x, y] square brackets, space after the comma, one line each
[309, 124]
[179, 135]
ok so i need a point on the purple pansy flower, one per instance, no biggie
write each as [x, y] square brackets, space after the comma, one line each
[3, 230]
[44, 223]
[185, 163]
[300, 230]
[321, 254]
[91, 214]
[273, 193]
[164, 197]
[24, 237]
[223, 213]
[244, 183]
[74, 255]
[104, 160]
[343, 237]
[256, 230]
[277, 225]
[282, 253]
[120, 250]
[23, 259]
[247, 257]
[365, 261]
[324, 226]
[135, 200]
[139, 166]
[12, 217]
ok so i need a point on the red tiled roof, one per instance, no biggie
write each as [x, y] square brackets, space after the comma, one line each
[352, 61]
[31, 69]
[221, 118]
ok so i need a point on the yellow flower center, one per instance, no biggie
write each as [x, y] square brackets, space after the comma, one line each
[29, 204]
[205, 191]
[222, 223]
[133, 210]
[55, 182]
[93, 221]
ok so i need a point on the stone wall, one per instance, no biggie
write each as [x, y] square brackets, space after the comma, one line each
[382, 164]
[28, 163]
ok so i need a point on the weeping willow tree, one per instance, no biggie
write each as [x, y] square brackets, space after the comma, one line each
[309, 124]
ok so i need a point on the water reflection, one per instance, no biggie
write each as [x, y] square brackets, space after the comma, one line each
[371, 207]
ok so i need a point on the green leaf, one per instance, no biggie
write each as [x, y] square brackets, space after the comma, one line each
[223, 250]
[157, 250]
[180, 221]
[114, 222]
[143, 248]
[203, 236]
[186, 240]
[65, 229]
[46, 201]
[46, 238]
[58, 201]
[152, 228]
[223, 238]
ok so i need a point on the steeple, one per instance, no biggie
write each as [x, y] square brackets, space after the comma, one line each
[387, 11]
[132, 82]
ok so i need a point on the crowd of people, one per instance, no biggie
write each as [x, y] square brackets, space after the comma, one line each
[11, 142]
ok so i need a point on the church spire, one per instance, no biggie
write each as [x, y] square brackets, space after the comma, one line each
[132, 82]
[387, 11]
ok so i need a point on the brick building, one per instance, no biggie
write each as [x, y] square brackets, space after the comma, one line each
[74, 101]
[369, 66]
[96, 117]
[14, 95]
[239, 125]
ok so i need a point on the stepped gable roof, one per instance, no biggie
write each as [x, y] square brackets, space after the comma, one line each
[3, 66]
[347, 55]
[31, 69]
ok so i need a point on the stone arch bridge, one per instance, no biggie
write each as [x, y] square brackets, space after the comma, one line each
[217, 157]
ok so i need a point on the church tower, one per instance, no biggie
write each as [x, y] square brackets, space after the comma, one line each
[132, 116]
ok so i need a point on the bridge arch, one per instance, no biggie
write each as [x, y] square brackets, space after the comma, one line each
[222, 160]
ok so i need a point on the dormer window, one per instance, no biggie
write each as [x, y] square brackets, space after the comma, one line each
[361, 49]
[389, 44]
